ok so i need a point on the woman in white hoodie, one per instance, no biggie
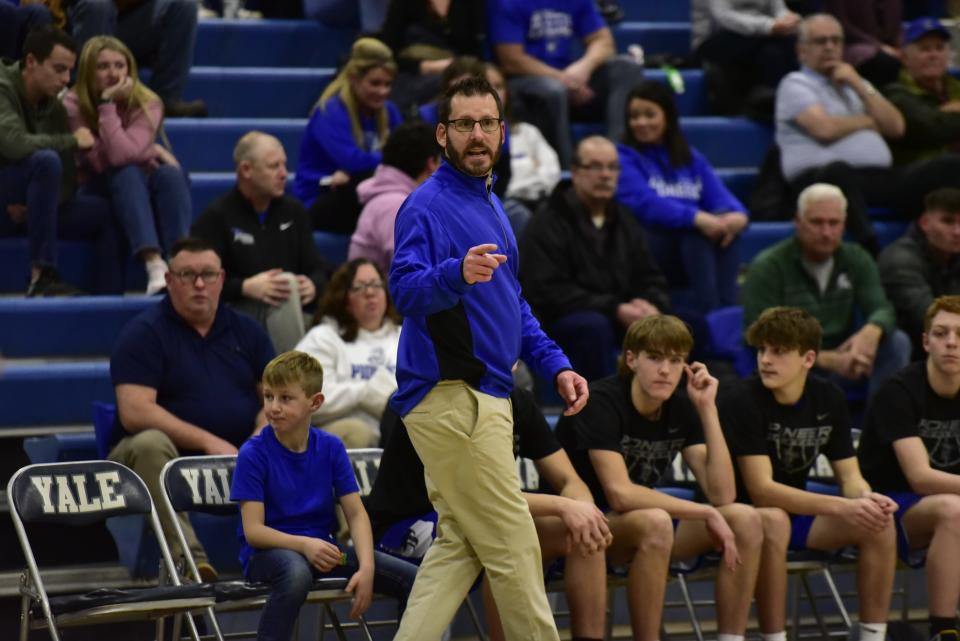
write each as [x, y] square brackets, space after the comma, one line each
[355, 339]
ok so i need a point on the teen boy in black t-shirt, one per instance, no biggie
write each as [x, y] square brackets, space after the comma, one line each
[399, 500]
[910, 449]
[777, 424]
[624, 440]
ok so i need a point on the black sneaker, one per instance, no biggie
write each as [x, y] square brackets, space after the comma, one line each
[611, 11]
[185, 109]
[49, 284]
[946, 635]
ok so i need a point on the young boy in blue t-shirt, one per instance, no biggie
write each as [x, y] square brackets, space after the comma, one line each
[286, 481]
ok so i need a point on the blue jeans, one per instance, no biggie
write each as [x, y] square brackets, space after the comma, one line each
[147, 202]
[290, 576]
[16, 23]
[590, 340]
[544, 102]
[687, 257]
[160, 33]
[893, 354]
[35, 182]
[343, 13]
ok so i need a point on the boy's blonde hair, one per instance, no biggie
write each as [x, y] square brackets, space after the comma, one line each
[295, 368]
[786, 327]
[949, 304]
[660, 334]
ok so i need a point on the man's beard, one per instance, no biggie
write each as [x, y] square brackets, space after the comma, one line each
[458, 161]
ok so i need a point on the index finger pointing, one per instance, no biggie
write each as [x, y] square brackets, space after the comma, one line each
[486, 248]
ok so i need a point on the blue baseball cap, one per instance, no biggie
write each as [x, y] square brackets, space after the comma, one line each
[916, 29]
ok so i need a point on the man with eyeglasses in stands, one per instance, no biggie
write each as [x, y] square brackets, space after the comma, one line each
[187, 378]
[454, 280]
[587, 271]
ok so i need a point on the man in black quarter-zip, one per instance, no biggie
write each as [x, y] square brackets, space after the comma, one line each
[266, 242]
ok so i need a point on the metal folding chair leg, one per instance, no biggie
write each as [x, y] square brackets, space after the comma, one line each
[837, 599]
[475, 619]
[691, 610]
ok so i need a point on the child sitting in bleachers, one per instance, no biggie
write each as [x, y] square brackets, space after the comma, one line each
[286, 481]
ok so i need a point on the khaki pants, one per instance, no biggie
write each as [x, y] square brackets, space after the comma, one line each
[465, 440]
[146, 453]
[284, 323]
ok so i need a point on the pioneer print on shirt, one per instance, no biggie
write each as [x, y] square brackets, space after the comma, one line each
[797, 448]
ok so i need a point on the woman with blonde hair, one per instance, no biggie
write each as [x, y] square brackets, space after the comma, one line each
[346, 132]
[143, 180]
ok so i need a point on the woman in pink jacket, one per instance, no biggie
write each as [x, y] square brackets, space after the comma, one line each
[146, 186]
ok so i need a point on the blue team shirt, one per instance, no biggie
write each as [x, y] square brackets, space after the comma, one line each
[210, 381]
[299, 490]
[660, 194]
[328, 145]
[549, 30]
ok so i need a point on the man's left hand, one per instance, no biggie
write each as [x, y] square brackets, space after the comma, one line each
[701, 386]
[573, 390]
[306, 289]
[863, 346]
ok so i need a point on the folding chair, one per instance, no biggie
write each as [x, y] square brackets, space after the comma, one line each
[366, 464]
[82, 493]
[202, 484]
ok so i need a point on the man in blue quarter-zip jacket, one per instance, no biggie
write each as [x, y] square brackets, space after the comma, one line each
[454, 279]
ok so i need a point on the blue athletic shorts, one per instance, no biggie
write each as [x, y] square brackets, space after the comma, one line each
[905, 501]
[800, 525]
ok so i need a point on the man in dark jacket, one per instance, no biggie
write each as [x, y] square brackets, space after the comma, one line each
[926, 95]
[585, 267]
[924, 263]
[266, 242]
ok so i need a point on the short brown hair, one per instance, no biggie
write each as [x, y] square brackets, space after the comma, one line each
[786, 327]
[942, 304]
[945, 199]
[659, 334]
[295, 368]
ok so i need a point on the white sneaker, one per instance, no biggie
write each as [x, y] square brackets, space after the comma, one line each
[156, 281]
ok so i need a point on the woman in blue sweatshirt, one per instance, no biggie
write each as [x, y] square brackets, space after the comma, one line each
[346, 132]
[692, 221]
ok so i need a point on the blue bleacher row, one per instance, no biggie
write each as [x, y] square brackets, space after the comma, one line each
[266, 75]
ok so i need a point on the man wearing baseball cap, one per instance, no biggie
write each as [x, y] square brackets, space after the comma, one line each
[926, 95]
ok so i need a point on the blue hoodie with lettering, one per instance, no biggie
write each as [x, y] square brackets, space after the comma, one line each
[452, 330]
[660, 194]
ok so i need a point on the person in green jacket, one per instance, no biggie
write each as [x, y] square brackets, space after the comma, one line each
[838, 283]
[37, 167]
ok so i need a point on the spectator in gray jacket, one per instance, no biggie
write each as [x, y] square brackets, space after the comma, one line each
[925, 262]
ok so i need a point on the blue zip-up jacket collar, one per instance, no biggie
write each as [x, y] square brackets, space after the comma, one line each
[452, 330]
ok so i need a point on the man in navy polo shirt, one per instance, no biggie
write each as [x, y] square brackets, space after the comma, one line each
[187, 376]
[535, 41]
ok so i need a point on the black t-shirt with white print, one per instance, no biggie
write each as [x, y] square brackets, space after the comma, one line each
[609, 421]
[754, 423]
[906, 406]
[399, 491]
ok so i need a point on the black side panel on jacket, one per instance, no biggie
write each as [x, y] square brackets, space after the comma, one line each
[453, 342]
